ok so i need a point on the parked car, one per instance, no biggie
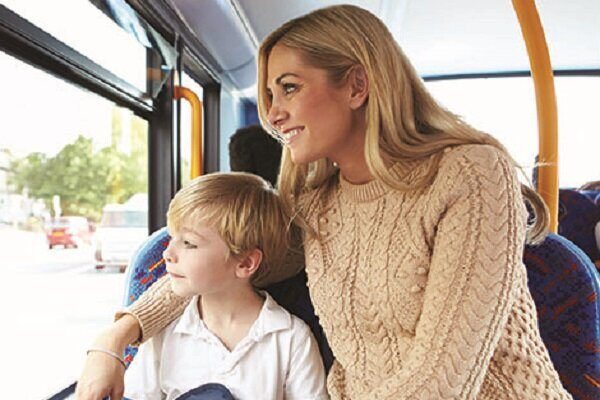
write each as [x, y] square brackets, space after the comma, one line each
[122, 230]
[68, 232]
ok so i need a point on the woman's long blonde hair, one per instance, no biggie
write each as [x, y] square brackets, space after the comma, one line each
[403, 120]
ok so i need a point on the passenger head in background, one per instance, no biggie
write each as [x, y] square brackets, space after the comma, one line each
[220, 240]
[593, 185]
[252, 150]
[337, 89]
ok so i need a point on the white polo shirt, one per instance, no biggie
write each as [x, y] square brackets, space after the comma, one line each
[278, 359]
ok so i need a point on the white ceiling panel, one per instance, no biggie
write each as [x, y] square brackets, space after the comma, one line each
[440, 37]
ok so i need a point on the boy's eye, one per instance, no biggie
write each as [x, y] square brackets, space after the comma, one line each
[188, 244]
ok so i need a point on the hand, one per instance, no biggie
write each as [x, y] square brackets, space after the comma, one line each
[102, 376]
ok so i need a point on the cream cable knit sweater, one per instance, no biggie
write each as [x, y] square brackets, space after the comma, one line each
[422, 295]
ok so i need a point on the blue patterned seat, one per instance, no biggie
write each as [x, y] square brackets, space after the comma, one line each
[148, 265]
[577, 221]
[565, 287]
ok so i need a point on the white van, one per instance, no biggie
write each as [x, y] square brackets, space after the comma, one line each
[122, 230]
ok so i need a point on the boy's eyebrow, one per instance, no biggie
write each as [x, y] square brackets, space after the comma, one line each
[189, 230]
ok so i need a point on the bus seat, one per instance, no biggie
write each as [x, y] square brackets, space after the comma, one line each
[593, 195]
[578, 221]
[147, 265]
[565, 287]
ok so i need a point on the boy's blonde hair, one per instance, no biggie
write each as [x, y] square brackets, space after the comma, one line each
[243, 208]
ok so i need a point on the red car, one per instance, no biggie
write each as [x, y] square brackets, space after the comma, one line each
[69, 232]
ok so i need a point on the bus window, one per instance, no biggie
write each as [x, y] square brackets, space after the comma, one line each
[127, 60]
[505, 108]
[65, 155]
[231, 120]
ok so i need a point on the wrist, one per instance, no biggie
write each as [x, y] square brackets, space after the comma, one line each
[123, 332]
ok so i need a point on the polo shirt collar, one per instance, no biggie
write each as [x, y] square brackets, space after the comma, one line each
[272, 318]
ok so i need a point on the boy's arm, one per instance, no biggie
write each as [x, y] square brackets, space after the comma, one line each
[306, 377]
[142, 379]
[155, 309]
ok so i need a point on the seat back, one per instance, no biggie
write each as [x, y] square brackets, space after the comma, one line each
[148, 265]
[578, 219]
[565, 286]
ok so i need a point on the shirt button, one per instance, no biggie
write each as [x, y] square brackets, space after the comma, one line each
[415, 289]
[421, 271]
[447, 149]
[323, 220]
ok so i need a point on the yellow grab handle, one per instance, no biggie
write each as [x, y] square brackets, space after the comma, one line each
[197, 136]
[543, 80]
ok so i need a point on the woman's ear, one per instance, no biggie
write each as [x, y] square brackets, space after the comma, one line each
[249, 263]
[359, 86]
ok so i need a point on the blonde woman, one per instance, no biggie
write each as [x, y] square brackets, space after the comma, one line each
[414, 225]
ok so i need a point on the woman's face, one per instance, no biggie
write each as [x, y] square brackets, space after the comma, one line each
[314, 116]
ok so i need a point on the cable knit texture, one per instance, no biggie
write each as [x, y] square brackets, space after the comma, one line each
[423, 294]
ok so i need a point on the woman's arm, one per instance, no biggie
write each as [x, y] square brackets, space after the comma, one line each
[102, 374]
[472, 280]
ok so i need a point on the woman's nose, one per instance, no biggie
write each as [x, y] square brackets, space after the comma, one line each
[276, 116]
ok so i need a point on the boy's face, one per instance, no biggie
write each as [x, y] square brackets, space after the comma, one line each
[198, 263]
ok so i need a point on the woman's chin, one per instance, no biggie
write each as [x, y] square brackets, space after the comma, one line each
[300, 158]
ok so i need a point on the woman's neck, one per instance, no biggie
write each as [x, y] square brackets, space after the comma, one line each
[355, 170]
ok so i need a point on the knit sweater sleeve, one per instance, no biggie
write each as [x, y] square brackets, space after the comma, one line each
[471, 282]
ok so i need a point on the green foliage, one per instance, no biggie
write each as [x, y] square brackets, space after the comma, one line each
[86, 180]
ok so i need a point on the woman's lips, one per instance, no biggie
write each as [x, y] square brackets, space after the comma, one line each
[290, 135]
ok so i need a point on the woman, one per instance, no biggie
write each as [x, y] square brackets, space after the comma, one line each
[413, 221]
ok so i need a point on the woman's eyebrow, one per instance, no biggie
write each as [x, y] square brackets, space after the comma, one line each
[278, 80]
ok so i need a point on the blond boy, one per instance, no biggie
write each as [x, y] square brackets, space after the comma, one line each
[228, 229]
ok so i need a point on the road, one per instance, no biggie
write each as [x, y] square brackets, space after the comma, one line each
[54, 303]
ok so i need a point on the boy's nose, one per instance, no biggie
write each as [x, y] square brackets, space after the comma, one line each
[168, 255]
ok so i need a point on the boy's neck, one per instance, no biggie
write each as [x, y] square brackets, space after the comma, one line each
[230, 315]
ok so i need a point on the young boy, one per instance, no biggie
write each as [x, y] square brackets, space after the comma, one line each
[227, 230]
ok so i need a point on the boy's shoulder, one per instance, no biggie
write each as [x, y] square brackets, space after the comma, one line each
[276, 318]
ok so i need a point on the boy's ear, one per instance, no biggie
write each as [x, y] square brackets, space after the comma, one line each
[249, 263]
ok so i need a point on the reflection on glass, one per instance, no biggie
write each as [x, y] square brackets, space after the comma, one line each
[63, 165]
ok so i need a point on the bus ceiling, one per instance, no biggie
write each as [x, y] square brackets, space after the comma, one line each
[442, 39]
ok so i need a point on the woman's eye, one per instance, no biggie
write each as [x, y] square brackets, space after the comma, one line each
[289, 88]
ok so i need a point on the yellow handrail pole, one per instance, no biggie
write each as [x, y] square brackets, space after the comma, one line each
[543, 80]
[197, 136]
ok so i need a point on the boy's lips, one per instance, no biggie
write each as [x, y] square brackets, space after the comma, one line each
[174, 275]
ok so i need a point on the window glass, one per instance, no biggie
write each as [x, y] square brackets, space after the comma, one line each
[230, 121]
[127, 60]
[505, 108]
[70, 161]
